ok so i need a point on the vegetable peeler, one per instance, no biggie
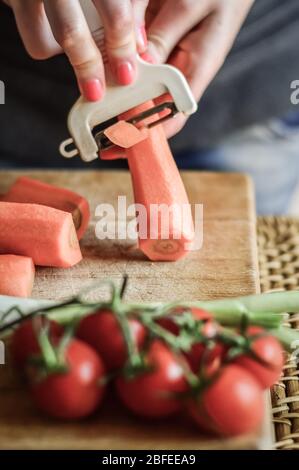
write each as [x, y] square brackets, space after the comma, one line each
[88, 120]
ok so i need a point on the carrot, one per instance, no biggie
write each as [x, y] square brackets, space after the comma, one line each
[16, 275]
[29, 190]
[46, 235]
[125, 135]
[156, 180]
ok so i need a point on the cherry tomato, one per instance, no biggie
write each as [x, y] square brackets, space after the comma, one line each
[155, 393]
[74, 393]
[102, 331]
[169, 324]
[232, 405]
[268, 349]
[199, 352]
[24, 342]
[208, 359]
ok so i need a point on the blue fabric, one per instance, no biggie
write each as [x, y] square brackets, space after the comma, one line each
[292, 120]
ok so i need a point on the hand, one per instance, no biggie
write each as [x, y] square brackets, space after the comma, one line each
[51, 27]
[194, 36]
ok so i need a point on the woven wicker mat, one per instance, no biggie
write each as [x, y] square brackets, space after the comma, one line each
[278, 242]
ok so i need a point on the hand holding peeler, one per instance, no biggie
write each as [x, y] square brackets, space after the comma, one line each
[87, 120]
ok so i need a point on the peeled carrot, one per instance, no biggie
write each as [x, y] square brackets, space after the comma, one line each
[29, 190]
[157, 181]
[125, 135]
[16, 275]
[46, 235]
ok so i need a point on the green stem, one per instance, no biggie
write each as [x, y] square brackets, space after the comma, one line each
[47, 350]
[135, 359]
[160, 332]
[225, 317]
[275, 302]
[65, 315]
[288, 337]
[64, 343]
[265, 320]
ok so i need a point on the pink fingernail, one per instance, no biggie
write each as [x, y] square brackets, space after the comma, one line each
[92, 89]
[147, 57]
[125, 73]
[141, 39]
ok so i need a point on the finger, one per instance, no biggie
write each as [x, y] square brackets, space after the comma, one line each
[152, 11]
[139, 9]
[166, 31]
[174, 125]
[202, 52]
[71, 31]
[118, 20]
[34, 28]
[199, 56]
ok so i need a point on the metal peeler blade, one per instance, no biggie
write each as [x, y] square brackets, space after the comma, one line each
[104, 143]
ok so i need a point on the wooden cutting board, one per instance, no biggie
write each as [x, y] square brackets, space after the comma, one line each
[225, 266]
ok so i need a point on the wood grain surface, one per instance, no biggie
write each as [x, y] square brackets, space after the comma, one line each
[225, 266]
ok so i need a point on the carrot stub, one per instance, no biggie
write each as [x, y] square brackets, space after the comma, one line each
[46, 235]
[28, 190]
[16, 275]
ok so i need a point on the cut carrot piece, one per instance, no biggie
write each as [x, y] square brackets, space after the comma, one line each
[157, 181]
[125, 135]
[32, 191]
[16, 275]
[46, 235]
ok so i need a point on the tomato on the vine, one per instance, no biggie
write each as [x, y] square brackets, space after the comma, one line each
[200, 355]
[268, 360]
[231, 405]
[157, 392]
[168, 321]
[72, 393]
[205, 358]
[102, 331]
[24, 341]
